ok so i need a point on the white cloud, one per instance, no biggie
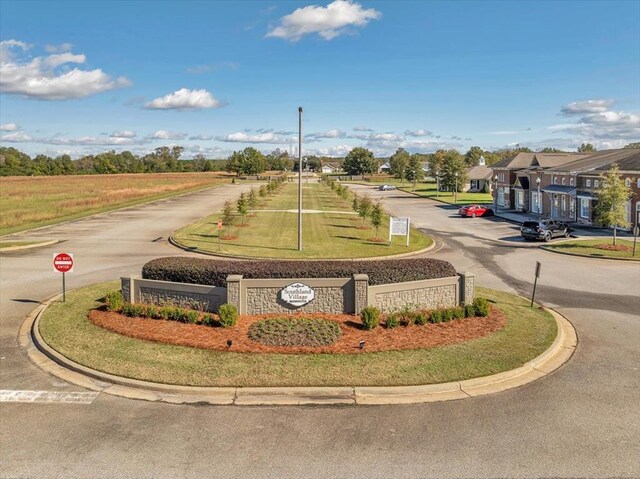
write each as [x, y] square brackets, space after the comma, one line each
[16, 137]
[185, 99]
[328, 134]
[123, 134]
[597, 122]
[385, 137]
[334, 151]
[244, 137]
[167, 135]
[587, 106]
[9, 127]
[329, 22]
[361, 128]
[42, 78]
[62, 48]
[418, 132]
[201, 137]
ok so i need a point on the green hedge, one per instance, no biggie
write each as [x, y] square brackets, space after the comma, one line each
[214, 272]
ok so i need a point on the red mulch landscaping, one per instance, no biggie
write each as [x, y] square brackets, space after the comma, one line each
[226, 238]
[611, 247]
[379, 339]
[362, 227]
[377, 240]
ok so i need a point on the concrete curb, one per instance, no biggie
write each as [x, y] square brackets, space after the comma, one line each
[175, 243]
[28, 246]
[52, 362]
[580, 255]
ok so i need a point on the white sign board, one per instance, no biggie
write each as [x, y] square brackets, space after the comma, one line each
[297, 294]
[399, 227]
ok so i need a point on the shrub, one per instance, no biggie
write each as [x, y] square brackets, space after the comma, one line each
[134, 310]
[406, 316]
[190, 316]
[392, 321]
[207, 319]
[481, 306]
[214, 272]
[447, 315]
[165, 312]
[151, 311]
[370, 317]
[228, 314]
[295, 332]
[436, 316]
[420, 318]
[457, 313]
[469, 311]
[114, 300]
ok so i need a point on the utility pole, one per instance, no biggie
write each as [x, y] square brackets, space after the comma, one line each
[299, 178]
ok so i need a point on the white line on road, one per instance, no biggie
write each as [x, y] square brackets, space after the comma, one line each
[47, 396]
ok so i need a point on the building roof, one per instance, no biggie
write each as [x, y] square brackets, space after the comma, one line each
[544, 160]
[479, 172]
[627, 159]
[559, 189]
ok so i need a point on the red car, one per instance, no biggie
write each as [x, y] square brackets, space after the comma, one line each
[475, 210]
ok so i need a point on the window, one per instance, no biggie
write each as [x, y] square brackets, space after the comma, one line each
[588, 183]
[627, 182]
[572, 208]
[555, 180]
[584, 207]
[564, 181]
[570, 181]
[595, 183]
[638, 184]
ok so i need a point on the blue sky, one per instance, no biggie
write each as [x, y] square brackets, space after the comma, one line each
[84, 77]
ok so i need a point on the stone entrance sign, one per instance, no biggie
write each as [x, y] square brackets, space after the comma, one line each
[297, 294]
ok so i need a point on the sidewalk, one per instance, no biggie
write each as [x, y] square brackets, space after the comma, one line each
[578, 230]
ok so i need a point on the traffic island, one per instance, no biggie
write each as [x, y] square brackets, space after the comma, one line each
[597, 248]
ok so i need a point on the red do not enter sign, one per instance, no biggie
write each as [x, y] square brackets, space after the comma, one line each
[63, 262]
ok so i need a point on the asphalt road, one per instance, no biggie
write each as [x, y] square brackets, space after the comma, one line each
[581, 421]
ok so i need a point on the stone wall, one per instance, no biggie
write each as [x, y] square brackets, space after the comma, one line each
[332, 295]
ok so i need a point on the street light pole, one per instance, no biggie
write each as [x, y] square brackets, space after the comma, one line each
[455, 192]
[495, 193]
[539, 197]
[299, 178]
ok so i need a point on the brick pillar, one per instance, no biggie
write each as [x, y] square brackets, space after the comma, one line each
[125, 288]
[233, 291]
[361, 291]
[466, 287]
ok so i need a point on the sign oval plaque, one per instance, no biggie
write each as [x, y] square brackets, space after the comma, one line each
[297, 294]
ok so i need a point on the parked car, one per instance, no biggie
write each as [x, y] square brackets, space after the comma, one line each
[475, 210]
[386, 187]
[544, 230]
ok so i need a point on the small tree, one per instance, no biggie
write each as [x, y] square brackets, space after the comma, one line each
[376, 215]
[227, 216]
[252, 199]
[399, 163]
[586, 148]
[415, 172]
[364, 208]
[613, 194]
[262, 191]
[356, 202]
[242, 206]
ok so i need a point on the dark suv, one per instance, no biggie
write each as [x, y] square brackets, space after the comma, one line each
[544, 230]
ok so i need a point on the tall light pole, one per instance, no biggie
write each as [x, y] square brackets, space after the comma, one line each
[495, 193]
[299, 178]
[539, 197]
[455, 192]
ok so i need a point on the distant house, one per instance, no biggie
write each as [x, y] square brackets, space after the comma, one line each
[384, 168]
[328, 169]
[478, 178]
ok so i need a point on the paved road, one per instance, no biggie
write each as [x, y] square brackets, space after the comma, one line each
[581, 421]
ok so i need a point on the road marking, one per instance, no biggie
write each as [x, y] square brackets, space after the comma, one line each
[47, 396]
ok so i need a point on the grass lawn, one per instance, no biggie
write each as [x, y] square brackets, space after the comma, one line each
[428, 190]
[587, 248]
[30, 201]
[333, 233]
[65, 327]
[12, 244]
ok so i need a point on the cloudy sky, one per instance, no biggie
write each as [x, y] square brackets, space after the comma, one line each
[84, 77]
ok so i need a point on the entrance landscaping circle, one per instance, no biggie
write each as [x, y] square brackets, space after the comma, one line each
[294, 332]
[65, 327]
[597, 248]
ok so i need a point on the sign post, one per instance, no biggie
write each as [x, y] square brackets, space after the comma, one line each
[636, 232]
[399, 227]
[535, 282]
[63, 263]
[219, 233]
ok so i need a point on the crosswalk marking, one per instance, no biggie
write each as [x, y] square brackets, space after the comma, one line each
[47, 396]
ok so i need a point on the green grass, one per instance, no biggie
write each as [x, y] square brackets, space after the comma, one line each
[12, 244]
[586, 248]
[31, 202]
[273, 234]
[65, 327]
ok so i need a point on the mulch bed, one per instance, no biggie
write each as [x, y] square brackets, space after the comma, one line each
[611, 247]
[379, 339]
[377, 240]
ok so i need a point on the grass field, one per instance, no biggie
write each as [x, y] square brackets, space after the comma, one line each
[587, 248]
[65, 327]
[332, 233]
[428, 190]
[30, 201]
